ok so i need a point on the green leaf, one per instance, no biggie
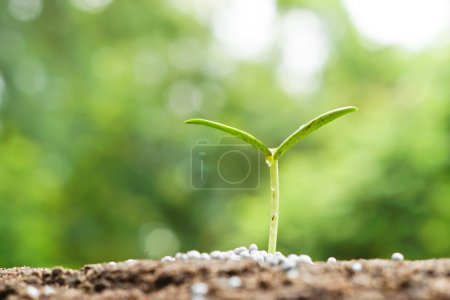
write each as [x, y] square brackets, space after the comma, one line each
[309, 127]
[233, 131]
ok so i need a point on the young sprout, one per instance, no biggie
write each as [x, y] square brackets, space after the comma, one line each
[273, 155]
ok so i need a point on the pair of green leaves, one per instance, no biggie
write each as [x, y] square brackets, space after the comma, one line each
[293, 139]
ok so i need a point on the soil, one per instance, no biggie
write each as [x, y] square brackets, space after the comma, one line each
[152, 279]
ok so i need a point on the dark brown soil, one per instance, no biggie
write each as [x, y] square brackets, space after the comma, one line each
[149, 279]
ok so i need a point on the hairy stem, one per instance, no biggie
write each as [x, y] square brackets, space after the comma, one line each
[274, 203]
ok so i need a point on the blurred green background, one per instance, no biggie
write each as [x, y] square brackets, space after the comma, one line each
[95, 157]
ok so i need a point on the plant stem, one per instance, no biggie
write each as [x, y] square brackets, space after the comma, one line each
[274, 203]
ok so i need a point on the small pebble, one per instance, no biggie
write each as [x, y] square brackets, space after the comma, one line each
[357, 267]
[199, 288]
[32, 292]
[234, 281]
[331, 260]
[397, 256]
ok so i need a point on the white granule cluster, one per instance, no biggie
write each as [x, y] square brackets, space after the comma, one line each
[289, 262]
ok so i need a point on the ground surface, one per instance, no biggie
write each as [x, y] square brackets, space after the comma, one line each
[150, 279]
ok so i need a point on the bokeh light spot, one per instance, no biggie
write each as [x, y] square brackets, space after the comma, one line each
[214, 97]
[184, 98]
[412, 24]
[159, 241]
[149, 68]
[432, 229]
[108, 63]
[12, 45]
[304, 51]
[246, 28]
[218, 63]
[186, 54]
[25, 10]
[30, 77]
[91, 6]
[2, 88]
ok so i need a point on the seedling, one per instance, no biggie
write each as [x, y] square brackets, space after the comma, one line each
[272, 155]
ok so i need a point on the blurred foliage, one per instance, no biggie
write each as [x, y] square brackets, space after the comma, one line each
[94, 156]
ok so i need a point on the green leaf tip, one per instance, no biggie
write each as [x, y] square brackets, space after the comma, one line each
[233, 131]
[311, 126]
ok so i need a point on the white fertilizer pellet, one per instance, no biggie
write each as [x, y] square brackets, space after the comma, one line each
[331, 260]
[239, 250]
[253, 247]
[357, 267]
[199, 288]
[205, 256]
[292, 273]
[193, 254]
[131, 262]
[305, 259]
[234, 281]
[168, 258]
[48, 290]
[33, 292]
[397, 256]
